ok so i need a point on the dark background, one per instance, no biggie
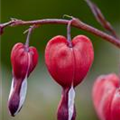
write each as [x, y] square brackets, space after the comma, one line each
[43, 93]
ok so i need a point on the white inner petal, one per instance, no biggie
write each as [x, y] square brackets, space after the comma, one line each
[71, 99]
[23, 92]
[12, 89]
[23, 89]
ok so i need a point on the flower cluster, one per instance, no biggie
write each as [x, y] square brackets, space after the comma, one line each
[68, 65]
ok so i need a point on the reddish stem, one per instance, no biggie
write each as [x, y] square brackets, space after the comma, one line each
[28, 39]
[69, 33]
[2, 26]
[29, 32]
[76, 23]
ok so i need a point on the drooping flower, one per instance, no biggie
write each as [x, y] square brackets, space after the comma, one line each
[68, 64]
[23, 60]
[106, 97]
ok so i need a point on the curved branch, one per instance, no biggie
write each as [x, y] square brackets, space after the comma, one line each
[76, 23]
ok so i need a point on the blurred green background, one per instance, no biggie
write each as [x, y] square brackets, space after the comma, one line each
[43, 93]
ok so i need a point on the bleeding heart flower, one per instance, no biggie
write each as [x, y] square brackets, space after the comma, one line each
[68, 65]
[106, 97]
[23, 62]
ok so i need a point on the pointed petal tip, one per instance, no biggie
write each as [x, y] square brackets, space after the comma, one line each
[12, 109]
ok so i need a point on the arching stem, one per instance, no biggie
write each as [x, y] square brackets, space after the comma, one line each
[69, 33]
[6, 24]
[2, 26]
[114, 39]
[29, 32]
[76, 23]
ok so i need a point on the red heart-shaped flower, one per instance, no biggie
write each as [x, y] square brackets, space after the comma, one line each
[66, 64]
[106, 97]
[23, 62]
